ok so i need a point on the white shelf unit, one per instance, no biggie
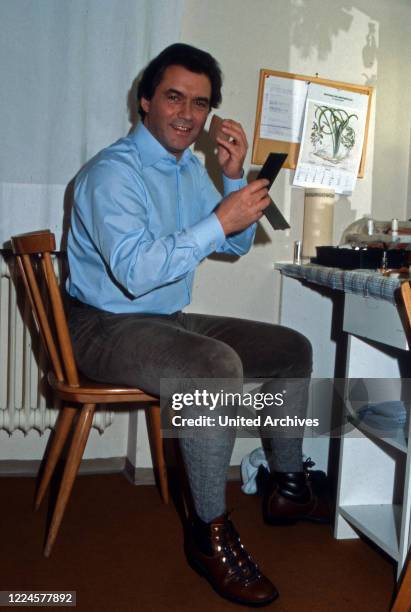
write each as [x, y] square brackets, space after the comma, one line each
[381, 523]
[374, 489]
[373, 496]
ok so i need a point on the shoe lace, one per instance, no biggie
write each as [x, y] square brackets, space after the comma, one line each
[308, 463]
[240, 563]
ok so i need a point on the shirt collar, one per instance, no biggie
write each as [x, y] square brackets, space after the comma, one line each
[152, 151]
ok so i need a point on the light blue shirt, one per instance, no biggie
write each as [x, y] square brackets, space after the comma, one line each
[141, 223]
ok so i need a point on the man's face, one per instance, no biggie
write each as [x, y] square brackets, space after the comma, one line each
[178, 110]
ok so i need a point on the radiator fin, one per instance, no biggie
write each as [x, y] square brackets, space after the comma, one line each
[24, 401]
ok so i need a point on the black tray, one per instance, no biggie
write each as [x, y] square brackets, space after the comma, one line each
[351, 259]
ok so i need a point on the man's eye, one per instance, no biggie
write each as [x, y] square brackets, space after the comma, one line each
[202, 104]
[173, 97]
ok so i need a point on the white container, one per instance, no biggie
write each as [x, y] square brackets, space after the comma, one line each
[318, 219]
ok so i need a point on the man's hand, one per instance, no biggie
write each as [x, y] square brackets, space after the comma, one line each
[242, 208]
[231, 153]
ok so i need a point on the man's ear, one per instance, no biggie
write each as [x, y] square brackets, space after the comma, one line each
[145, 104]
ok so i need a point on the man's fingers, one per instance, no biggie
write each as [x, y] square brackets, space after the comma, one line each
[235, 131]
[261, 202]
[264, 202]
[257, 216]
[230, 124]
[226, 144]
[234, 147]
[258, 184]
[258, 204]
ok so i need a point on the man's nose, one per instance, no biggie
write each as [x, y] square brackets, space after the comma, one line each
[186, 111]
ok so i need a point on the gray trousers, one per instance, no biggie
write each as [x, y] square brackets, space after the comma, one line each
[140, 350]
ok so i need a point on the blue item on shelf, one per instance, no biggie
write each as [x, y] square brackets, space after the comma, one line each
[384, 416]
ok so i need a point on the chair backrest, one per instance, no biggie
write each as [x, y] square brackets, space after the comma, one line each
[406, 298]
[33, 254]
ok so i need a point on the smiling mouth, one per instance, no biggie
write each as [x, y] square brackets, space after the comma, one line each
[182, 129]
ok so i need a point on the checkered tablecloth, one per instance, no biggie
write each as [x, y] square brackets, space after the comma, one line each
[364, 282]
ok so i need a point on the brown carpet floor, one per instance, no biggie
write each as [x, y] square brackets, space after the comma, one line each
[121, 549]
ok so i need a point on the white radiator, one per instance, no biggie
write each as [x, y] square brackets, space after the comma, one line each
[24, 402]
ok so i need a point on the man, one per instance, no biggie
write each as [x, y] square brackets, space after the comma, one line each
[145, 215]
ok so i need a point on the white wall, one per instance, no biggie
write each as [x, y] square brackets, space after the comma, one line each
[65, 74]
[328, 37]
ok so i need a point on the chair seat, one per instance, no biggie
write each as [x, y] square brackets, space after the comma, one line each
[92, 392]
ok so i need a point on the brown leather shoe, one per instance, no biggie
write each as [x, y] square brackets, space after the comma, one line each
[283, 505]
[215, 551]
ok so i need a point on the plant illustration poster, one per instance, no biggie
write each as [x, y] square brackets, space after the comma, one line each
[332, 139]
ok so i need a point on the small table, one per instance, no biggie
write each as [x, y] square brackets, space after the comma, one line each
[374, 476]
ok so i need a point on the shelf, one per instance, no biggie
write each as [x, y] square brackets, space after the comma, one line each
[396, 440]
[374, 319]
[379, 522]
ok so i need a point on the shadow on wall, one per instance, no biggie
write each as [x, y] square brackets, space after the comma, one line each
[132, 103]
[313, 29]
[67, 206]
[312, 32]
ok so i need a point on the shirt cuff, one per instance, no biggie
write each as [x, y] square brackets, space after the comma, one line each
[231, 185]
[208, 234]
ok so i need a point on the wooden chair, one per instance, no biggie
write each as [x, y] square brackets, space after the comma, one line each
[79, 395]
[406, 298]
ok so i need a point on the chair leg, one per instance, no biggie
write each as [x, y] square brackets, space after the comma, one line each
[75, 454]
[63, 426]
[154, 432]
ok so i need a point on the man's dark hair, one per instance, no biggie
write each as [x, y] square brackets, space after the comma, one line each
[189, 57]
